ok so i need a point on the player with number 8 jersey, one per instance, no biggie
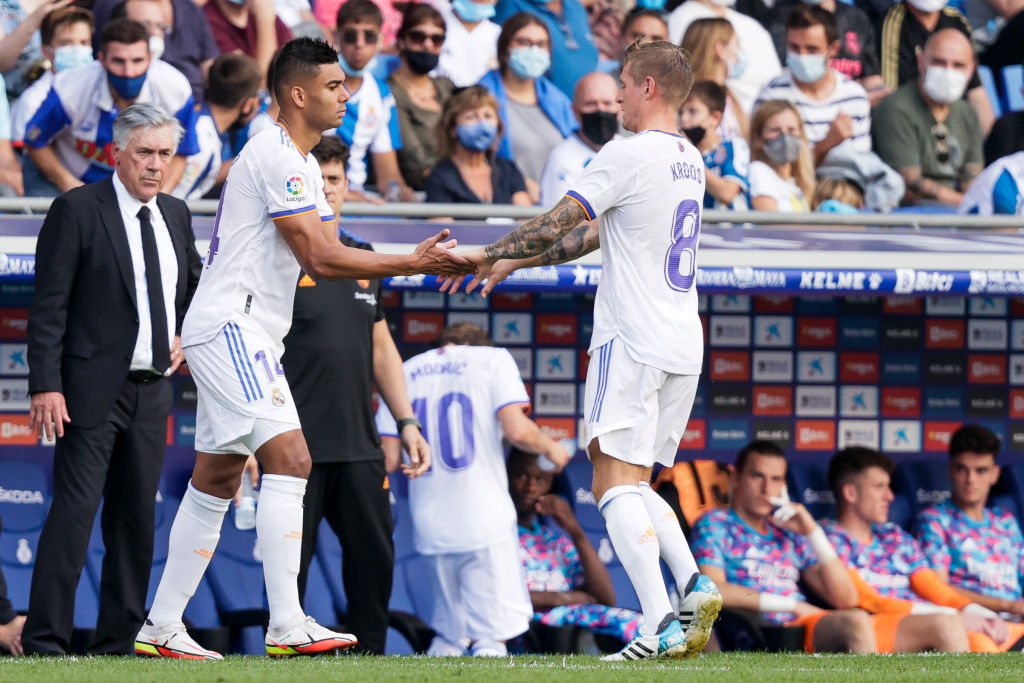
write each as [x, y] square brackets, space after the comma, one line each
[645, 195]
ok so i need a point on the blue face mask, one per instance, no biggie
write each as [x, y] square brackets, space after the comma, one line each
[128, 88]
[237, 2]
[739, 67]
[836, 206]
[477, 136]
[472, 11]
[356, 73]
[651, 4]
[807, 68]
[529, 62]
[69, 56]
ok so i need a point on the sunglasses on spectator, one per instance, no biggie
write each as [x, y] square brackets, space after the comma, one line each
[941, 135]
[350, 36]
[418, 37]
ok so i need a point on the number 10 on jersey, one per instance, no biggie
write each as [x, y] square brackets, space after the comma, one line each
[454, 443]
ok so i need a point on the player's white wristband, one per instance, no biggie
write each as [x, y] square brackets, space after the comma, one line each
[979, 610]
[929, 608]
[767, 602]
[821, 546]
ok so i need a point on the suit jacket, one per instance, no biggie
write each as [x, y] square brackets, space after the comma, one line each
[83, 322]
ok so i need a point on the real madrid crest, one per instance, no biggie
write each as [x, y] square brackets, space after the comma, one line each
[277, 398]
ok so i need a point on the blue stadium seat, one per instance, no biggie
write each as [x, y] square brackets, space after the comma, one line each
[900, 511]
[808, 484]
[1007, 502]
[1013, 84]
[1011, 487]
[28, 496]
[625, 595]
[988, 81]
[922, 483]
[580, 475]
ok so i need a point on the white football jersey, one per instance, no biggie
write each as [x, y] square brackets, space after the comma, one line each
[647, 194]
[462, 503]
[250, 272]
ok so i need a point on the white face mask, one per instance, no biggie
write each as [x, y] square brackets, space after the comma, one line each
[928, 5]
[723, 3]
[944, 85]
[156, 47]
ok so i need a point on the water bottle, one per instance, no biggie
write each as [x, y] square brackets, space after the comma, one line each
[245, 513]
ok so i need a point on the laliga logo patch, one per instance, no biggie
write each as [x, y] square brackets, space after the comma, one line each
[277, 398]
[294, 185]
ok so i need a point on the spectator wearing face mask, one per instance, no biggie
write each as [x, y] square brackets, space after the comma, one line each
[835, 110]
[926, 131]
[418, 97]
[907, 26]
[716, 55]
[570, 41]
[536, 116]
[470, 172]
[471, 49]
[781, 170]
[20, 44]
[754, 40]
[70, 137]
[595, 108]
[727, 162]
[67, 43]
[179, 34]
[231, 102]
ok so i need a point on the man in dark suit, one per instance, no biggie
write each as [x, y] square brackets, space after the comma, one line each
[116, 267]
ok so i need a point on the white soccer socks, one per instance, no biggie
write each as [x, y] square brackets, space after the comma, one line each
[194, 537]
[636, 543]
[671, 540]
[279, 528]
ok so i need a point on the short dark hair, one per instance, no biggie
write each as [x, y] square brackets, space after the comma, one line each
[233, 77]
[464, 334]
[511, 26]
[758, 447]
[416, 13]
[805, 16]
[124, 31]
[851, 461]
[358, 10]
[299, 58]
[974, 439]
[64, 17]
[639, 13]
[665, 62]
[331, 149]
[710, 93]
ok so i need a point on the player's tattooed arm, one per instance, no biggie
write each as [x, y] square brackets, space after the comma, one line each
[578, 242]
[538, 234]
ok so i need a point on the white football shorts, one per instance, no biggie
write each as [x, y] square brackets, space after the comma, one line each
[244, 399]
[638, 413]
[480, 594]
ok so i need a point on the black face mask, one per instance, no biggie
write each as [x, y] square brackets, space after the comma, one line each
[695, 134]
[599, 126]
[421, 61]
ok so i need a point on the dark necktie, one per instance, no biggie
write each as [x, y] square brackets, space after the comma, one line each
[155, 287]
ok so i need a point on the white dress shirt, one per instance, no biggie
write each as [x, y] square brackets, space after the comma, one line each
[142, 358]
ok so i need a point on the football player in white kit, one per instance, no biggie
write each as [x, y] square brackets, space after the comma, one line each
[646, 193]
[273, 217]
[468, 395]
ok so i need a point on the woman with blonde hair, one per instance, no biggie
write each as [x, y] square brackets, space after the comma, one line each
[715, 55]
[469, 171]
[781, 168]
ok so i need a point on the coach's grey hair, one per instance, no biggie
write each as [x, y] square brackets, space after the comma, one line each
[144, 115]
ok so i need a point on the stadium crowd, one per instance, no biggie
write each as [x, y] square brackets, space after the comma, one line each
[865, 105]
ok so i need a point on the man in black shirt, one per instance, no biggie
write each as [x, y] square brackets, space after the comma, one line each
[338, 345]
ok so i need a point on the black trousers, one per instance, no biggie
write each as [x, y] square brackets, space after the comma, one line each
[352, 497]
[118, 460]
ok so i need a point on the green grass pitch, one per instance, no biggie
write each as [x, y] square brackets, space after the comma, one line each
[719, 668]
